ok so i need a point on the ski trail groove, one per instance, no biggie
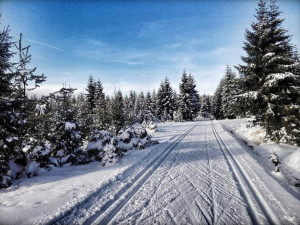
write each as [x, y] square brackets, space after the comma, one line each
[211, 180]
[66, 217]
[124, 196]
[242, 177]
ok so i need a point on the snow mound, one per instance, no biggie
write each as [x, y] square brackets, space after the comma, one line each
[292, 162]
[70, 126]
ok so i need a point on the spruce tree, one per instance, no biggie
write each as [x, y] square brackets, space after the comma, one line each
[66, 138]
[253, 72]
[101, 119]
[217, 107]
[165, 101]
[270, 81]
[117, 114]
[9, 121]
[131, 108]
[205, 106]
[188, 100]
[229, 89]
[282, 85]
[153, 103]
[184, 97]
[90, 95]
[194, 96]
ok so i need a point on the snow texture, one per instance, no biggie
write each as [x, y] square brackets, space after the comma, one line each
[199, 174]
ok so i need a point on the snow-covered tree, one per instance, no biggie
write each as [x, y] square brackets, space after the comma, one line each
[66, 137]
[194, 96]
[117, 112]
[217, 106]
[101, 118]
[205, 106]
[153, 103]
[270, 81]
[188, 100]
[229, 90]
[9, 121]
[165, 101]
[91, 95]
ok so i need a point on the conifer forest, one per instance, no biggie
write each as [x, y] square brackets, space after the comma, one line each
[186, 138]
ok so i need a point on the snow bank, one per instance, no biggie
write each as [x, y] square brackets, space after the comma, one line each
[255, 137]
[292, 163]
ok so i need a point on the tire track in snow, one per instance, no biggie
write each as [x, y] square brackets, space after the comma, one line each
[112, 208]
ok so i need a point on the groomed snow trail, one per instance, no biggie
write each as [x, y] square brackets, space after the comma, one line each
[204, 176]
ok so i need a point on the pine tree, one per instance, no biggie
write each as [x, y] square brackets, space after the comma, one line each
[25, 76]
[9, 121]
[153, 103]
[90, 96]
[165, 101]
[217, 107]
[254, 72]
[205, 106]
[281, 88]
[131, 108]
[66, 137]
[100, 109]
[148, 112]
[140, 108]
[270, 83]
[194, 96]
[229, 89]
[184, 97]
[117, 114]
[16, 108]
[188, 100]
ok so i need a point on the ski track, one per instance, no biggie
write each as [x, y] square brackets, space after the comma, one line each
[204, 176]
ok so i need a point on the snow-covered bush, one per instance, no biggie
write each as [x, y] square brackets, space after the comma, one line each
[127, 139]
[150, 126]
[111, 152]
[275, 160]
[67, 144]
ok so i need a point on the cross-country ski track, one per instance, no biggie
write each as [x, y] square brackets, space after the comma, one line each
[203, 176]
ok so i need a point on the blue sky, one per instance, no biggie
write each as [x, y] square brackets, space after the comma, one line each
[135, 44]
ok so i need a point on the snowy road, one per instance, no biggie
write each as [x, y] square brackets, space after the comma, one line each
[204, 176]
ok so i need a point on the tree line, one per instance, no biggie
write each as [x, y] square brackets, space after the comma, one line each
[268, 86]
[42, 132]
[55, 129]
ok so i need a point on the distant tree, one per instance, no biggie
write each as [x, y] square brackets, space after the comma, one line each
[101, 118]
[91, 95]
[194, 96]
[217, 106]
[188, 100]
[205, 106]
[165, 101]
[229, 90]
[117, 114]
[153, 103]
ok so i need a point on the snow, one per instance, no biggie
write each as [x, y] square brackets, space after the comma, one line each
[51, 194]
[256, 138]
[70, 126]
[292, 163]
[270, 54]
[198, 174]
